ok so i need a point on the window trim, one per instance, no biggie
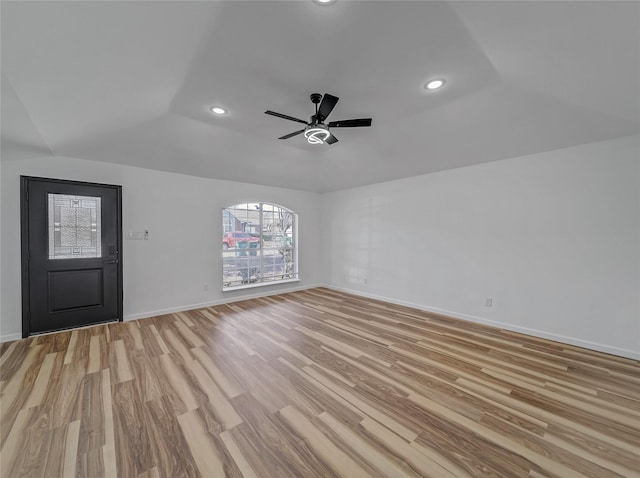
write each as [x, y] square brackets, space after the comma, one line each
[259, 284]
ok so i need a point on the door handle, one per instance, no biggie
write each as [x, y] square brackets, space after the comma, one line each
[115, 261]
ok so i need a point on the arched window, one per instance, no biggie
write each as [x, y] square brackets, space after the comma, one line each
[259, 245]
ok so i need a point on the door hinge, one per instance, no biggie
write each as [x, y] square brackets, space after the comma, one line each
[26, 195]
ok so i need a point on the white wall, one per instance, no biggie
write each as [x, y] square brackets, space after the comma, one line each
[552, 238]
[183, 216]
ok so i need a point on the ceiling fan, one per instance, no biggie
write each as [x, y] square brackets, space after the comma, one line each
[316, 131]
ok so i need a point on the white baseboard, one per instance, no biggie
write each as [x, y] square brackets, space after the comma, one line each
[235, 298]
[501, 325]
[471, 318]
[10, 337]
[182, 308]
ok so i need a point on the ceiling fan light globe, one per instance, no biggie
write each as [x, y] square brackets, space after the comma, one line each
[316, 135]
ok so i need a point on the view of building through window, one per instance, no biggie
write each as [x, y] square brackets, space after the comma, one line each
[259, 244]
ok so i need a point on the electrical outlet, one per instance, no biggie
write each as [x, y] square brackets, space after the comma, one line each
[488, 302]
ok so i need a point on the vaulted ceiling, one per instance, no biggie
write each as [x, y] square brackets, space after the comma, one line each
[132, 83]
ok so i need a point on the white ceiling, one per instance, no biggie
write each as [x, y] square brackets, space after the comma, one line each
[131, 83]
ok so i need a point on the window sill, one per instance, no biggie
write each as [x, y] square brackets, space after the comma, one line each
[259, 284]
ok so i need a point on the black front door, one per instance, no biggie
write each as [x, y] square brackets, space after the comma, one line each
[71, 259]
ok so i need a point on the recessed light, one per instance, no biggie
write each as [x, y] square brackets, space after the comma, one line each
[324, 2]
[218, 110]
[434, 84]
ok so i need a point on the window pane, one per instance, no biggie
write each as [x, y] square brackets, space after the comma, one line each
[258, 244]
[74, 227]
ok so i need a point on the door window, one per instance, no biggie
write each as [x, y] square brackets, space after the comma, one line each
[74, 227]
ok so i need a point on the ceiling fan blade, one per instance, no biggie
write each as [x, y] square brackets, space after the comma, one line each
[287, 136]
[352, 123]
[331, 139]
[287, 117]
[326, 106]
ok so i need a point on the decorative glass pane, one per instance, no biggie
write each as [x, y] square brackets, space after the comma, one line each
[74, 227]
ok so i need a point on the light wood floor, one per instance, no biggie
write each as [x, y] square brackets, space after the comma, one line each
[313, 384]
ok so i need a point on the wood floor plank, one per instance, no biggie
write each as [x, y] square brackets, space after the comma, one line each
[128, 410]
[189, 335]
[167, 440]
[238, 457]
[321, 393]
[177, 345]
[67, 402]
[218, 401]
[315, 383]
[71, 449]
[68, 357]
[420, 462]
[342, 463]
[92, 424]
[11, 450]
[376, 456]
[133, 328]
[94, 354]
[225, 383]
[145, 376]
[178, 381]
[17, 389]
[271, 447]
[8, 349]
[492, 436]
[158, 339]
[366, 408]
[202, 448]
[42, 381]
[109, 447]
[122, 366]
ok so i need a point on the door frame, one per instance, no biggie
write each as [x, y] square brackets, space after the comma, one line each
[24, 242]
